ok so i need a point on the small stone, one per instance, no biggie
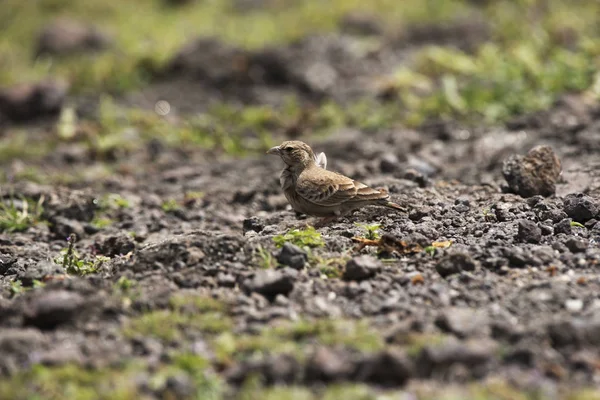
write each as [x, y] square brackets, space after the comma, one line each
[226, 280]
[462, 322]
[533, 174]
[28, 101]
[420, 212]
[389, 163]
[574, 305]
[39, 271]
[564, 226]
[327, 365]
[115, 245]
[361, 268]
[253, 224]
[63, 227]
[580, 207]
[387, 368]
[292, 256]
[455, 263]
[576, 245]
[271, 282]
[53, 308]
[438, 359]
[529, 232]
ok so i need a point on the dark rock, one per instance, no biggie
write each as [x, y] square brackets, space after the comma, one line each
[554, 215]
[361, 268]
[580, 207]
[63, 227]
[244, 196]
[115, 245]
[40, 271]
[533, 174]
[576, 245]
[462, 322]
[53, 308]
[564, 226]
[389, 163]
[455, 263]
[419, 178]
[6, 262]
[529, 232]
[253, 224]
[387, 368]
[292, 256]
[64, 36]
[29, 101]
[271, 282]
[501, 330]
[523, 356]
[437, 359]
[327, 365]
[575, 332]
[418, 213]
[226, 280]
[75, 205]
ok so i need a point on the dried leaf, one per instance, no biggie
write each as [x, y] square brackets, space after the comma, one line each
[442, 245]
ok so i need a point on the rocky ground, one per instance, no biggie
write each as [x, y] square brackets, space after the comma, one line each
[174, 271]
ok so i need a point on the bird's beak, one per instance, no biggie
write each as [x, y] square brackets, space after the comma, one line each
[274, 150]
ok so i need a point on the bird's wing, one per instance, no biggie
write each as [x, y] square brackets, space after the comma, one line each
[326, 188]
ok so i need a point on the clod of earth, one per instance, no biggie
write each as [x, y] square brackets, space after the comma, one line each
[533, 174]
[25, 102]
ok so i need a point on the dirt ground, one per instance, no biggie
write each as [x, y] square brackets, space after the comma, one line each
[475, 292]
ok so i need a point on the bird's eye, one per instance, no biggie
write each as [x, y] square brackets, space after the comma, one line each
[289, 148]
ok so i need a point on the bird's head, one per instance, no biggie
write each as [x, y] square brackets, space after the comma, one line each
[294, 153]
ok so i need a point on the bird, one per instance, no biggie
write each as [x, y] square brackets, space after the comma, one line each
[313, 190]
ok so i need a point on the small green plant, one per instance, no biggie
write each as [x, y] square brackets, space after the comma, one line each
[125, 284]
[170, 206]
[265, 258]
[16, 287]
[101, 222]
[112, 201]
[430, 250]
[577, 224]
[15, 219]
[38, 284]
[330, 267]
[308, 237]
[372, 231]
[75, 265]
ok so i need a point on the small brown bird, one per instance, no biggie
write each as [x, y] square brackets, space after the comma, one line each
[313, 190]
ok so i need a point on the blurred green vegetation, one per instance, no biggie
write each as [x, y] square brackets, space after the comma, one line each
[537, 50]
[148, 32]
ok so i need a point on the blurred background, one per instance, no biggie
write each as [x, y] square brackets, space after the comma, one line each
[98, 80]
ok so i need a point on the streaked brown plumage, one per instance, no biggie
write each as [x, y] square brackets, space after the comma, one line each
[313, 190]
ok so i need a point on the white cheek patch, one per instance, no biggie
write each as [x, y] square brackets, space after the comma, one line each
[321, 160]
